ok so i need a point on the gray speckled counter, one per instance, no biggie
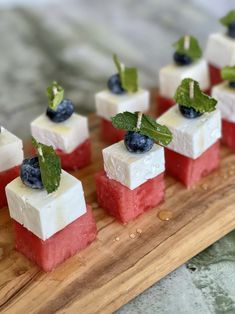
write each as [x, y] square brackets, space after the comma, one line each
[72, 42]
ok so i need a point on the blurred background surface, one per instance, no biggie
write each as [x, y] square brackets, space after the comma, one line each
[72, 41]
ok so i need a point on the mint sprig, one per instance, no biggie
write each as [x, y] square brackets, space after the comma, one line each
[228, 73]
[55, 94]
[149, 127]
[49, 164]
[192, 50]
[198, 100]
[228, 19]
[128, 76]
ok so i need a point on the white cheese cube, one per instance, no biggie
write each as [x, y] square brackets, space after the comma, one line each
[132, 169]
[11, 150]
[220, 50]
[45, 214]
[192, 137]
[109, 104]
[226, 100]
[65, 136]
[171, 76]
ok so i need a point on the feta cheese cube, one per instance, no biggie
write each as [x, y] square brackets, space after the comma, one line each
[192, 137]
[220, 50]
[11, 150]
[65, 136]
[132, 169]
[171, 76]
[109, 104]
[45, 214]
[226, 100]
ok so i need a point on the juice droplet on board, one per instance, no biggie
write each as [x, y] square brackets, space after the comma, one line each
[165, 215]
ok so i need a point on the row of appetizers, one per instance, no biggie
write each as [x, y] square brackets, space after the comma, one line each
[51, 219]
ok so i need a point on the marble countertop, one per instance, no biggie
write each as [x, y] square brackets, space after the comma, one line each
[72, 42]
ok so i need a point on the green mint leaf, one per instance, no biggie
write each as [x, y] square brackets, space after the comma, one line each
[228, 73]
[228, 19]
[149, 127]
[199, 101]
[128, 76]
[191, 48]
[55, 94]
[49, 164]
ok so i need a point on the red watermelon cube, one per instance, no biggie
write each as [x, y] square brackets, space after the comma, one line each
[215, 75]
[5, 178]
[125, 204]
[228, 134]
[189, 171]
[163, 104]
[62, 245]
[109, 133]
[79, 158]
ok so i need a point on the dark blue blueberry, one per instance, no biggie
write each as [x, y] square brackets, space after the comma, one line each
[182, 59]
[231, 30]
[232, 84]
[114, 84]
[30, 173]
[63, 111]
[189, 112]
[137, 143]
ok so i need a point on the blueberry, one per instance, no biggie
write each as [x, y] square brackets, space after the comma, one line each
[114, 84]
[137, 143]
[30, 173]
[231, 30]
[189, 112]
[63, 111]
[232, 84]
[182, 59]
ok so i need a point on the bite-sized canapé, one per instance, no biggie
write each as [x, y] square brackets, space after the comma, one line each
[133, 178]
[220, 49]
[224, 93]
[51, 219]
[188, 62]
[63, 129]
[196, 127]
[123, 94]
[11, 157]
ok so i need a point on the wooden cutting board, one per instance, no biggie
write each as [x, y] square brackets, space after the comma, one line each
[124, 260]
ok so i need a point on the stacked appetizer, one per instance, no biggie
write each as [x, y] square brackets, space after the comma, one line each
[196, 127]
[133, 177]
[65, 130]
[225, 94]
[220, 50]
[11, 157]
[50, 217]
[123, 94]
[188, 62]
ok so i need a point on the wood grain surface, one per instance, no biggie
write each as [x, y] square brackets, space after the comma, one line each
[124, 260]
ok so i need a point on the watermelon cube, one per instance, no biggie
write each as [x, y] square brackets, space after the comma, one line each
[228, 134]
[125, 204]
[163, 104]
[109, 133]
[215, 75]
[189, 171]
[6, 177]
[65, 243]
[79, 158]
